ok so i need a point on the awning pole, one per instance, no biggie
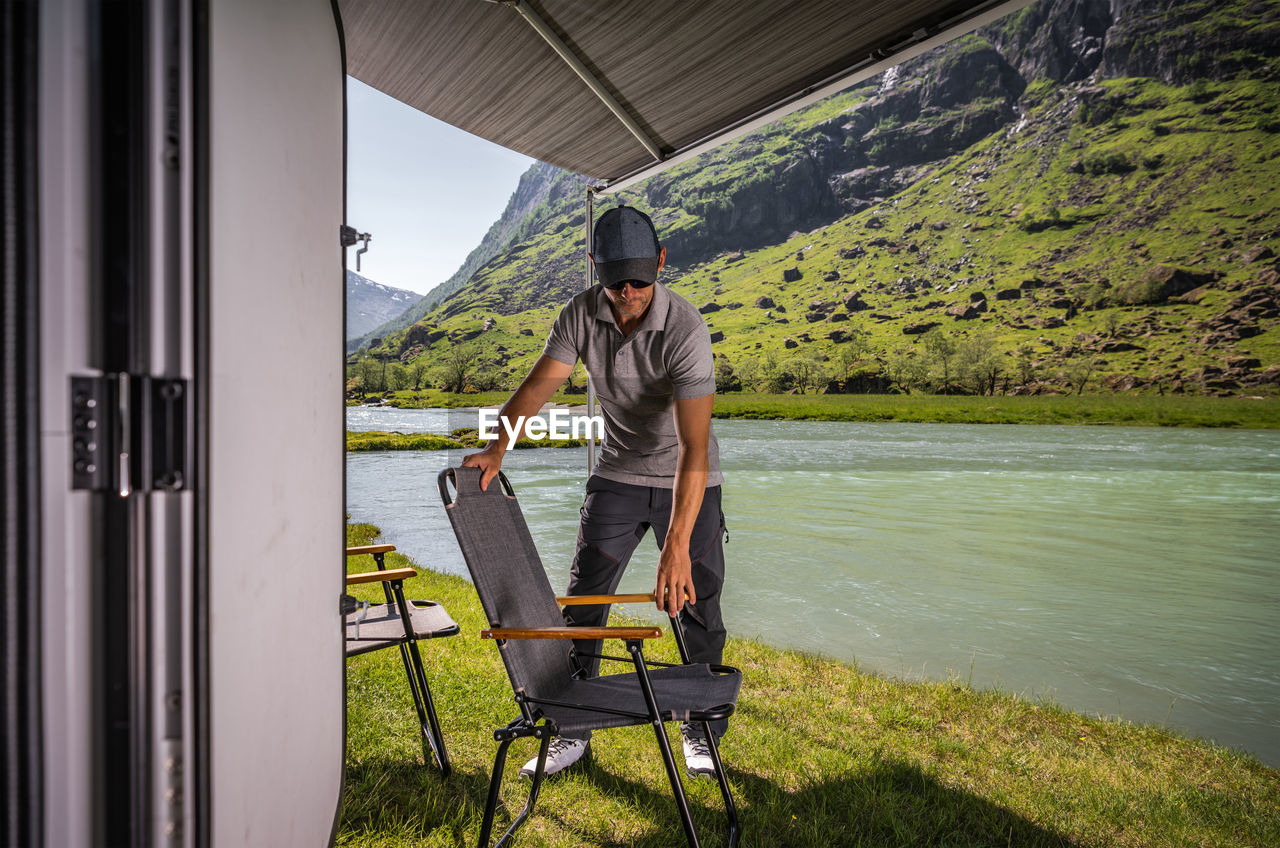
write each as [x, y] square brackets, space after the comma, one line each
[591, 389]
[571, 59]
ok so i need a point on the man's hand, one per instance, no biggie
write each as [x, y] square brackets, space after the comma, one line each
[543, 379]
[675, 577]
[489, 461]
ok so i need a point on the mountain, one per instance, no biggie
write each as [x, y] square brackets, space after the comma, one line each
[533, 192]
[370, 304]
[1084, 193]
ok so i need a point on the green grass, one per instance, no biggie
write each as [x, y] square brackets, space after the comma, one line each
[820, 754]
[377, 440]
[1140, 410]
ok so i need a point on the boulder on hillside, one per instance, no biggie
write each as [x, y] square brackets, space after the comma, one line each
[1161, 283]
[967, 311]
[790, 275]
[974, 297]
[1118, 347]
[1243, 362]
[709, 307]
[855, 303]
[526, 332]
[736, 256]
[917, 329]
[831, 276]
[1257, 253]
[853, 252]
[1033, 283]
[765, 302]
[717, 336]
[790, 343]
[734, 305]
[1009, 294]
[838, 316]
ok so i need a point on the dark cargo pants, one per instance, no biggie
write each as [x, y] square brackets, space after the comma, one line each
[615, 517]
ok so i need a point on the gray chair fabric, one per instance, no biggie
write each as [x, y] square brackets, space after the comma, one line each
[382, 627]
[514, 591]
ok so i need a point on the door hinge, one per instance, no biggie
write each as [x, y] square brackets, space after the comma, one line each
[129, 434]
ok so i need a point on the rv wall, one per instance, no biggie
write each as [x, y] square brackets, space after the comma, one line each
[275, 416]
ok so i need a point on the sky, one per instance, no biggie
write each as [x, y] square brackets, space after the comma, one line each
[426, 191]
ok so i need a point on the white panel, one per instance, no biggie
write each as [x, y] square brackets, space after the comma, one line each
[276, 438]
[64, 349]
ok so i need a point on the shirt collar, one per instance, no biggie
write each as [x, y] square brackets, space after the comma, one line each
[654, 319]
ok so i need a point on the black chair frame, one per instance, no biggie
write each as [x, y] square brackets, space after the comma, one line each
[393, 590]
[534, 723]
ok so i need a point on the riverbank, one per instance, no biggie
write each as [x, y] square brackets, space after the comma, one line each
[377, 440]
[1136, 410]
[819, 749]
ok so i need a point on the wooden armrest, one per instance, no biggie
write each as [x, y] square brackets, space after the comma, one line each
[592, 600]
[383, 576]
[370, 549]
[571, 633]
[580, 600]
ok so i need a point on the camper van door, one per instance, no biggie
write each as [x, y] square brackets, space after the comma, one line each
[191, 672]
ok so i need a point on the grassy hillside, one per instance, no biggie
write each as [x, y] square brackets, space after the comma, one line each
[1094, 236]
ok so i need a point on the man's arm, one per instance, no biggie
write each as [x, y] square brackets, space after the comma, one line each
[675, 570]
[544, 378]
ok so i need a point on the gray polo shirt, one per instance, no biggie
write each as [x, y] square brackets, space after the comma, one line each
[637, 378]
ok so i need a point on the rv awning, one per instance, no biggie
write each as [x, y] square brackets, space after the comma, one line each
[618, 90]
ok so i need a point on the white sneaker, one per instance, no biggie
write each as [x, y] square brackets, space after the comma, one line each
[561, 754]
[697, 754]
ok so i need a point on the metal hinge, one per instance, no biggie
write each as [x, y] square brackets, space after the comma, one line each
[129, 434]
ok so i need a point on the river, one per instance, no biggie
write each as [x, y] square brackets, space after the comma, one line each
[1122, 571]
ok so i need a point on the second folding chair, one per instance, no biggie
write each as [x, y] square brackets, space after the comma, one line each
[400, 623]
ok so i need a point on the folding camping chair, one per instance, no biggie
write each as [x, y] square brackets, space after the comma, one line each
[535, 647]
[402, 623]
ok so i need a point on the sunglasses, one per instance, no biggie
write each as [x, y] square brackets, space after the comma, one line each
[635, 284]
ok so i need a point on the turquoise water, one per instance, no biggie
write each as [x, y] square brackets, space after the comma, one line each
[1119, 571]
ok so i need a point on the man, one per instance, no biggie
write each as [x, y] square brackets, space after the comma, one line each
[648, 352]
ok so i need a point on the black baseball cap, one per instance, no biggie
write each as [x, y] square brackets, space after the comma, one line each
[625, 247]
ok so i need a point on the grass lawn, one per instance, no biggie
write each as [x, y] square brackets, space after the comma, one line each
[1141, 410]
[820, 754]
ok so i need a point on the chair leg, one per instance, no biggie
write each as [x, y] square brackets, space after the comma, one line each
[677, 787]
[495, 784]
[730, 809]
[427, 720]
[664, 744]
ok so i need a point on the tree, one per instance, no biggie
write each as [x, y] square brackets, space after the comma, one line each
[727, 379]
[978, 363]
[457, 365]
[370, 376]
[940, 349]
[807, 371]
[417, 371]
[906, 369]
[1080, 369]
[852, 351]
[1025, 359]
